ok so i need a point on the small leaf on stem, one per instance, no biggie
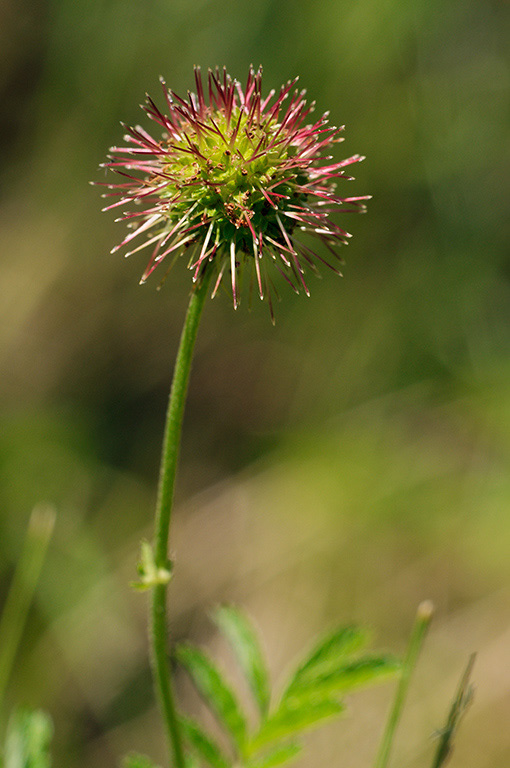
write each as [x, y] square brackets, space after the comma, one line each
[150, 574]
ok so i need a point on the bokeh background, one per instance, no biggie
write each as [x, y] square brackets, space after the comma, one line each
[339, 467]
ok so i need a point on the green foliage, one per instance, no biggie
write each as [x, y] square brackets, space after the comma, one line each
[326, 655]
[457, 711]
[244, 642]
[275, 757]
[312, 695]
[290, 721]
[420, 627]
[21, 591]
[330, 668]
[28, 740]
[137, 761]
[203, 745]
[216, 692]
[345, 677]
[149, 573]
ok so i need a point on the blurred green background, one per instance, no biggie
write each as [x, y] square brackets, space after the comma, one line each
[339, 467]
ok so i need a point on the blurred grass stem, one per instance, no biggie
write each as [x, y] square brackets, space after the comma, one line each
[169, 458]
[421, 624]
[21, 592]
[458, 709]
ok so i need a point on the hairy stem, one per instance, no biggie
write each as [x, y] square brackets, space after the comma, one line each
[169, 456]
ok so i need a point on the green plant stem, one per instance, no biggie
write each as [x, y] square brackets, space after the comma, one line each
[19, 597]
[457, 711]
[419, 630]
[169, 456]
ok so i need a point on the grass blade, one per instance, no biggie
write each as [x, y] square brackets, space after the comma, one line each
[420, 627]
[458, 709]
[17, 604]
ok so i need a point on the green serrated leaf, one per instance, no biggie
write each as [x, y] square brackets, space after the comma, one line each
[275, 757]
[138, 761]
[28, 740]
[238, 630]
[291, 719]
[367, 670]
[328, 654]
[215, 691]
[203, 744]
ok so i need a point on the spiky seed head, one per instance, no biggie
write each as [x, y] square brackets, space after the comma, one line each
[233, 180]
